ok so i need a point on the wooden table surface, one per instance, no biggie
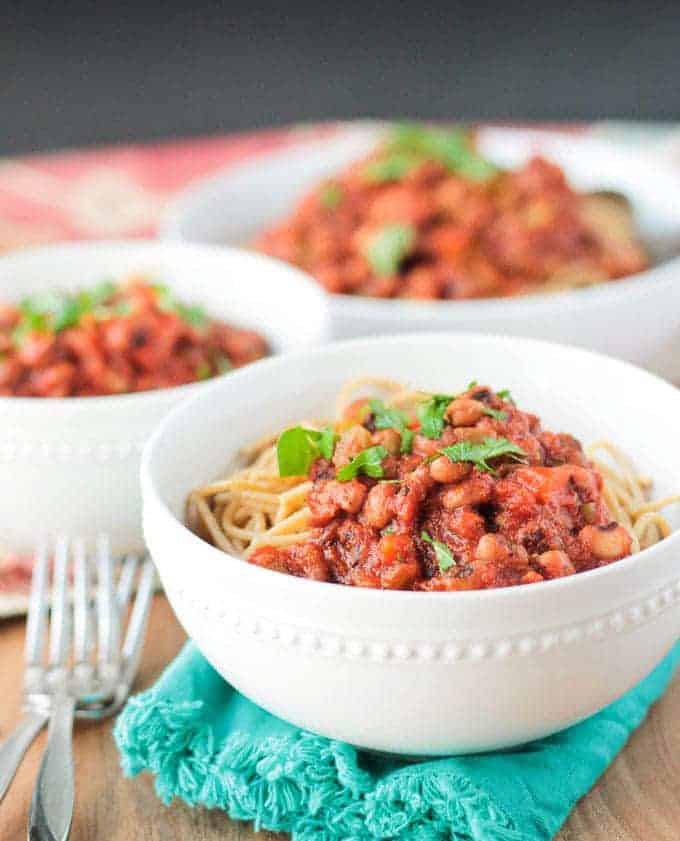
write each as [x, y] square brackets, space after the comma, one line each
[637, 800]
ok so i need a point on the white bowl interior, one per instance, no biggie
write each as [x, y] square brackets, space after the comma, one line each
[574, 391]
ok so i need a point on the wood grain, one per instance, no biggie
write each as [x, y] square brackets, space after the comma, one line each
[636, 800]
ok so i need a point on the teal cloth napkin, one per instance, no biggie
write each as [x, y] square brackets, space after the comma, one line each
[210, 746]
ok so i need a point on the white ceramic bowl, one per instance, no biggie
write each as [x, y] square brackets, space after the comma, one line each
[413, 672]
[637, 319]
[71, 465]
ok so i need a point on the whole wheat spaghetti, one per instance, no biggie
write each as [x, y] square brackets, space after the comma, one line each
[256, 507]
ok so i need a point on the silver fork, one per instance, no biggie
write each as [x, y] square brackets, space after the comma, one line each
[89, 679]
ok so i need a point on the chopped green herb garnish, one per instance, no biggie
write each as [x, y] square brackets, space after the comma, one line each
[327, 442]
[472, 384]
[161, 290]
[452, 147]
[203, 371]
[47, 312]
[475, 167]
[388, 247]
[392, 167]
[193, 314]
[389, 417]
[66, 315]
[406, 440]
[443, 554]
[368, 461]
[431, 415]
[330, 195]
[504, 394]
[224, 364]
[44, 303]
[298, 448]
[53, 311]
[90, 299]
[479, 453]
[498, 414]
[31, 322]
[122, 308]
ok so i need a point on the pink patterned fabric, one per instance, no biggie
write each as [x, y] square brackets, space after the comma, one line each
[116, 192]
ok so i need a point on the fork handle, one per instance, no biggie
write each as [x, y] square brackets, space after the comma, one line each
[51, 810]
[13, 748]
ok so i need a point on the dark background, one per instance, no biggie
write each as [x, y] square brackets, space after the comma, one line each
[75, 73]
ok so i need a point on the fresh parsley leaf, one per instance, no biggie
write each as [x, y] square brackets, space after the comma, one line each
[392, 167]
[504, 394]
[431, 415]
[203, 371]
[193, 314]
[330, 196]
[161, 290]
[498, 414]
[388, 247]
[66, 315]
[443, 554]
[480, 452]
[475, 167]
[431, 412]
[389, 417]
[30, 323]
[96, 296]
[164, 298]
[298, 448]
[57, 311]
[42, 303]
[452, 147]
[368, 461]
[121, 309]
[224, 364]
[327, 440]
[48, 311]
[406, 441]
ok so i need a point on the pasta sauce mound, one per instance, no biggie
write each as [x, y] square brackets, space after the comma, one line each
[427, 217]
[113, 339]
[459, 492]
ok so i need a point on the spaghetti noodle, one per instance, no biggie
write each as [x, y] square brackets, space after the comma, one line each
[256, 508]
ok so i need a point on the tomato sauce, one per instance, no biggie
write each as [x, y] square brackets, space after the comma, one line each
[112, 340]
[425, 217]
[471, 493]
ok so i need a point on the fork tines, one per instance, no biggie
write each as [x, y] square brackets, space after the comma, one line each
[80, 653]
